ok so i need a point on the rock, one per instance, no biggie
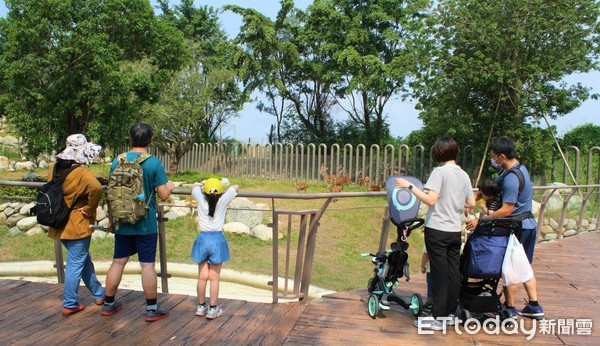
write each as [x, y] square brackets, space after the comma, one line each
[570, 224]
[535, 208]
[171, 215]
[43, 164]
[10, 141]
[3, 206]
[27, 223]
[585, 223]
[100, 213]
[13, 219]
[25, 210]
[236, 227]
[545, 222]
[2, 218]
[262, 232]
[592, 227]
[550, 236]
[4, 163]
[569, 233]
[545, 229]
[246, 214]
[225, 182]
[264, 206]
[9, 211]
[25, 166]
[104, 223]
[35, 230]
[554, 224]
[180, 211]
[556, 201]
[14, 231]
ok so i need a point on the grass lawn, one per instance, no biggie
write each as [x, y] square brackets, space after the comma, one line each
[349, 227]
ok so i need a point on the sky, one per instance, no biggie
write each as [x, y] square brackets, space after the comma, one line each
[253, 125]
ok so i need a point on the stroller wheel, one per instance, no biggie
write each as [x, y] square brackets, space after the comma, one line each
[373, 306]
[416, 304]
[505, 315]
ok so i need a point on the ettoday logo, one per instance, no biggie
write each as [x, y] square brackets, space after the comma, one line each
[473, 326]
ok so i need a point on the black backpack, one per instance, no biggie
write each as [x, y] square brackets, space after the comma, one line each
[50, 206]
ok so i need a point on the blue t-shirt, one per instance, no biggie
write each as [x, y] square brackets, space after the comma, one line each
[154, 175]
[510, 194]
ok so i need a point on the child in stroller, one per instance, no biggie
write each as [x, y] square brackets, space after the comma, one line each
[481, 267]
[392, 264]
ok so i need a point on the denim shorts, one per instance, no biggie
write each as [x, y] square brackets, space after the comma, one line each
[143, 245]
[210, 247]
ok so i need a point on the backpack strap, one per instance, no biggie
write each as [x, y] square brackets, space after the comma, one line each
[517, 171]
[141, 158]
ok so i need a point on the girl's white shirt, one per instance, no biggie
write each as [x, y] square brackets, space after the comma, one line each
[215, 223]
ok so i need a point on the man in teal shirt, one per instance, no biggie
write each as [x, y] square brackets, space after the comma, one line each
[141, 237]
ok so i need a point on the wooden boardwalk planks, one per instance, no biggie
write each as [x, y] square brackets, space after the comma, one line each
[568, 274]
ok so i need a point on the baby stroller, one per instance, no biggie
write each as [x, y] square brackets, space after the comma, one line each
[481, 267]
[392, 264]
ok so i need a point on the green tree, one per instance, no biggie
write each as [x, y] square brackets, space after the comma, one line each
[203, 96]
[374, 46]
[82, 66]
[584, 137]
[284, 61]
[500, 64]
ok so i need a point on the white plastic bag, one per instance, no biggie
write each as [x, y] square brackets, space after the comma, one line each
[516, 268]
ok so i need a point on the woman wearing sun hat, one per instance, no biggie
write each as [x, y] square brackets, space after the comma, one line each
[81, 191]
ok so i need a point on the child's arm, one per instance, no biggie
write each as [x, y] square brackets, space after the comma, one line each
[424, 260]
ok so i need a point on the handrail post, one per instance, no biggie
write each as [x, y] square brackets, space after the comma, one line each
[59, 261]
[162, 246]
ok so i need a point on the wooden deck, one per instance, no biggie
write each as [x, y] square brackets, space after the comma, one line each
[568, 282]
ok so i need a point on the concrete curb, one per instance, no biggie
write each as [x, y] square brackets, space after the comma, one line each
[45, 269]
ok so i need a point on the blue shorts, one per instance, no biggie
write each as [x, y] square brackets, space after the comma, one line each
[143, 245]
[210, 247]
[528, 239]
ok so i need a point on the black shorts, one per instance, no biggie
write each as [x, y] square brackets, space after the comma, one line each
[143, 245]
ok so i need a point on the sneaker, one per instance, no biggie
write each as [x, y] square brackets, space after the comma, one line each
[71, 311]
[513, 311]
[155, 315]
[428, 324]
[451, 321]
[214, 312]
[108, 310]
[202, 310]
[100, 301]
[384, 305]
[531, 311]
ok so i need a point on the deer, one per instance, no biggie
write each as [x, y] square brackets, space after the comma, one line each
[300, 186]
[373, 188]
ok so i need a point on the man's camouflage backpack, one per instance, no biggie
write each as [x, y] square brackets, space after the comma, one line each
[126, 199]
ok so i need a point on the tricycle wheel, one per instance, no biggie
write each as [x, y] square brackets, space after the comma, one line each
[416, 304]
[373, 306]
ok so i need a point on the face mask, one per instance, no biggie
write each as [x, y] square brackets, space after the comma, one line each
[494, 164]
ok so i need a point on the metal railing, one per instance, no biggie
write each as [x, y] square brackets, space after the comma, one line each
[291, 287]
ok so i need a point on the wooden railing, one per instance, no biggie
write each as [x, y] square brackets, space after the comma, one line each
[292, 288]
